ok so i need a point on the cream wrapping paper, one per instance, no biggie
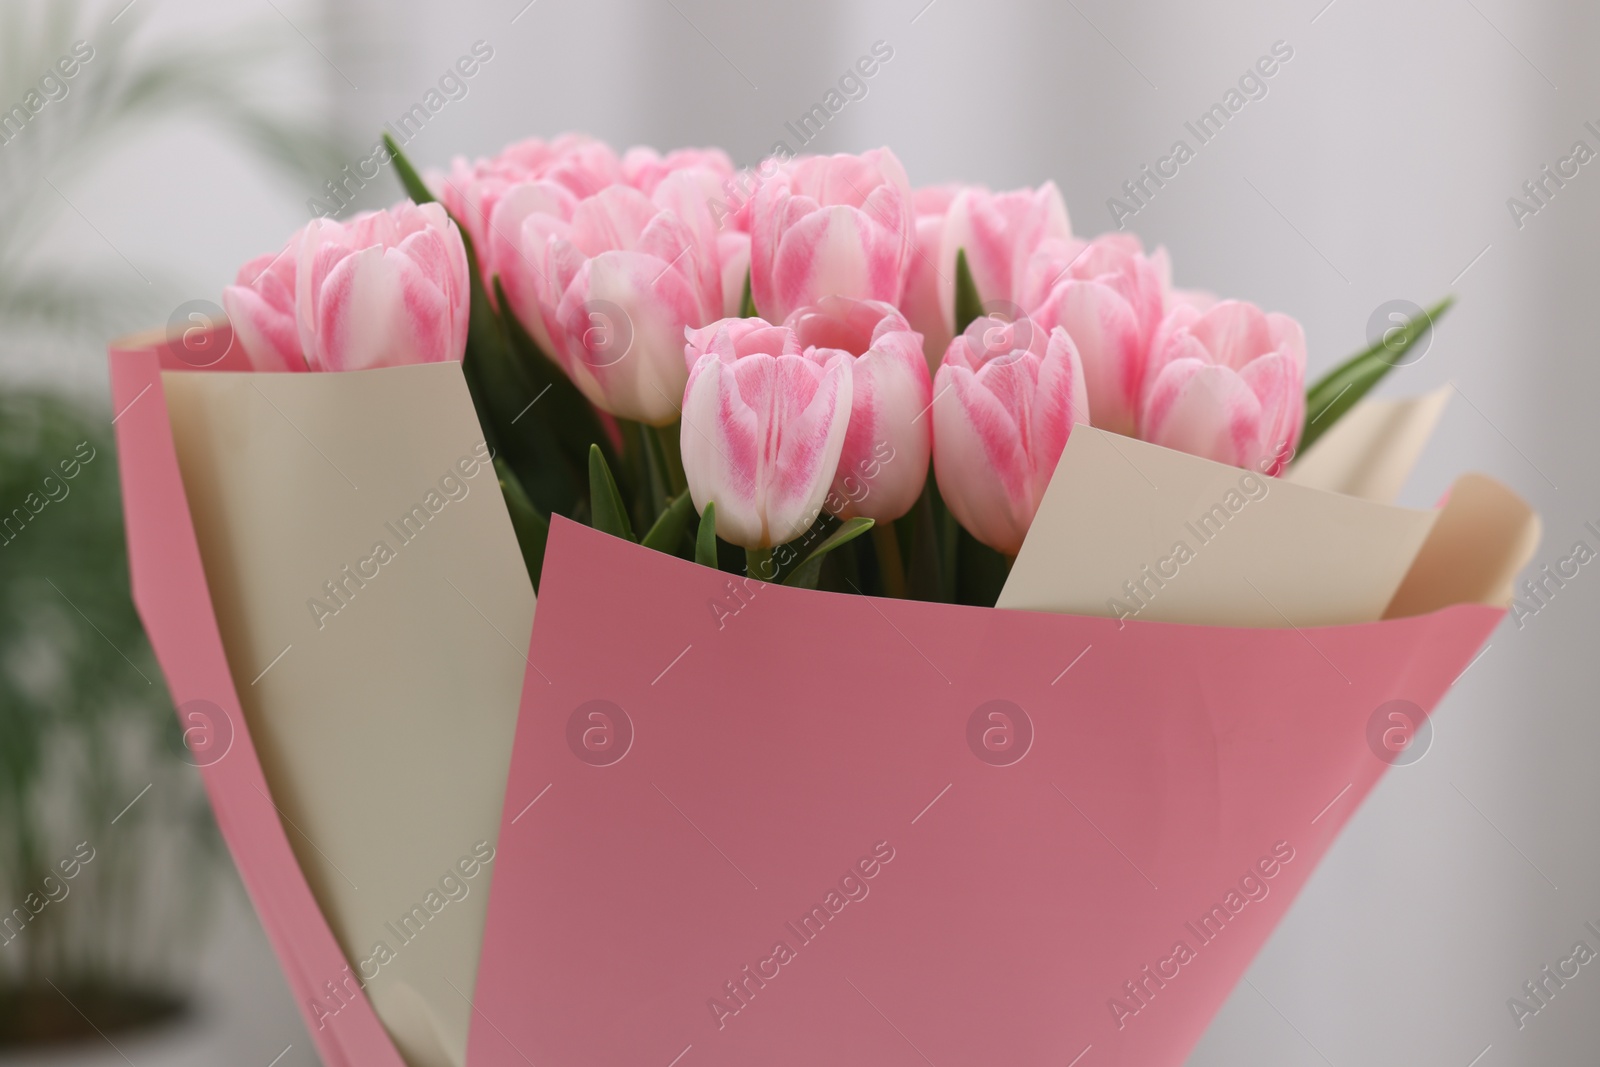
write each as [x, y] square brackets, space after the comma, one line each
[1164, 536]
[1370, 452]
[375, 611]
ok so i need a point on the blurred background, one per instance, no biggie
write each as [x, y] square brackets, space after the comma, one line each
[1380, 165]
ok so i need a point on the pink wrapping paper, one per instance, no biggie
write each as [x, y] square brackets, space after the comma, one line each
[1021, 818]
[174, 602]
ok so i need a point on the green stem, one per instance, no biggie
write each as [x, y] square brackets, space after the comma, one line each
[949, 541]
[656, 468]
[890, 565]
[758, 564]
[649, 497]
[667, 439]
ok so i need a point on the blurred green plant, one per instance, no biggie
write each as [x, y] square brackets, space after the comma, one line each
[90, 750]
[133, 81]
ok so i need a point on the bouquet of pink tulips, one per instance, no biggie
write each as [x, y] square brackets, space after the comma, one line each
[1121, 649]
[648, 337]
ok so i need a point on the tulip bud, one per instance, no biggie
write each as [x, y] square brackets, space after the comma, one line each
[645, 168]
[830, 226]
[1228, 384]
[382, 289]
[1109, 296]
[612, 281]
[884, 463]
[1005, 400]
[574, 162]
[928, 299]
[260, 307]
[763, 427]
[1000, 232]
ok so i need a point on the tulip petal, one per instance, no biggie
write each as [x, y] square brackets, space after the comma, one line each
[621, 324]
[269, 334]
[979, 460]
[1203, 409]
[1112, 345]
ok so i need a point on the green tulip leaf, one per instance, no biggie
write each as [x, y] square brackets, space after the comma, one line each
[705, 541]
[415, 189]
[532, 529]
[969, 305]
[747, 306]
[667, 531]
[605, 503]
[1342, 388]
[848, 531]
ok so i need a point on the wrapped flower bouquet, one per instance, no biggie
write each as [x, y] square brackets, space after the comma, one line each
[955, 643]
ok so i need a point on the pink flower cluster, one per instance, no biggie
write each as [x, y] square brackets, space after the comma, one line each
[630, 271]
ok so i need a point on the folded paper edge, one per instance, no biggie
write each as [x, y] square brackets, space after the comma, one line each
[1371, 452]
[173, 599]
[1484, 536]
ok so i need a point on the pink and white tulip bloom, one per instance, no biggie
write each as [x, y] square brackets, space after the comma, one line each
[928, 296]
[1227, 384]
[884, 463]
[830, 226]
[575, 162]
[1001, 232]
[385, 288]
[1005, 401]
[645, 168]
[763, 428]
[1110, 297]
[607, 285]
[260, 307]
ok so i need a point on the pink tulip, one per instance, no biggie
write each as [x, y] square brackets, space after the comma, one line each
[1110, 297]
[644, 168]
[382, 289]
[763, 428]
[608, 283]
[1000, 232]
[260, 306]
[1005, 400]
[884, 463]
[830, 226]
[470, 190]
[928, 297]
[1199, 299]
[1227, 384]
